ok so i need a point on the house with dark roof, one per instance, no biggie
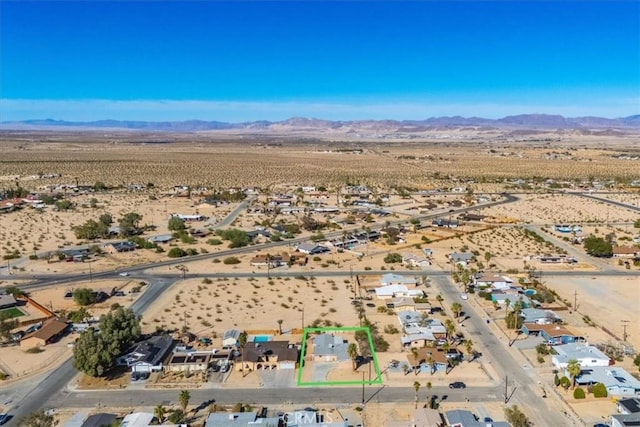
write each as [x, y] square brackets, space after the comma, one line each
[629, 406]
[119, 247]
[147, 355]
[99, 420]
[311, 248]
[617, 381]
[625, 420]
[51, 331]
[267, 355]
[428, 359]
[7, 301]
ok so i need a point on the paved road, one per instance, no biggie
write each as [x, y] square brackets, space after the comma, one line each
[495, 350]
[609, 201]
[297, 395]
[234, 214]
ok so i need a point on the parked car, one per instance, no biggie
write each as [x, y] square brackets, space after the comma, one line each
[124, 274]
[457, 384]
[4, 418]
[464, 296]
[134, 376]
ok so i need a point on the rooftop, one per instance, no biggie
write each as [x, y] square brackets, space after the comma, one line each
[49, 329]
[577, 351]
[260, 351]
[610, 377]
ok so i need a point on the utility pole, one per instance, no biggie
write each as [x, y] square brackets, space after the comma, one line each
[363, 387]
[575, 301]
[506, 389]
[90, 273]
[624, 330]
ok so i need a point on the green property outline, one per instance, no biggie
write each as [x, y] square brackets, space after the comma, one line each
[306, 331]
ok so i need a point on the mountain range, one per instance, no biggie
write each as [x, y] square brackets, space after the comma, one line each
[523, 121]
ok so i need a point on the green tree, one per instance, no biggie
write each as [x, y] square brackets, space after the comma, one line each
[429, 399]
[184, 398]
[279, 321]
[450, 327]
[352, 351]
[237, 238]
[416, 388]
[91, 230]
[99, 186]
[105, 219]
[176, 224]
[38, 419]
[12, 290]
[393, 258]
[439, 299]
[574, 369]
[176, 253]
[129, 224]
[64, 205]
[242, 342]
[94, 353]
[599, 390]
[597, 246]
[516, 417]
[636, 224]
[456, 307]
[468, 346]
[636, 361]
[79, 316]
[84, 296]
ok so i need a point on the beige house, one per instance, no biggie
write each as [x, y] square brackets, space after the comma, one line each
[49, 333]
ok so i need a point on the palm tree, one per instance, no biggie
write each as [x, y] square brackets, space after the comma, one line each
[242, 342]
[468, 346]
[280, 326]
[416, 387]
[431, 361]
[352, 351]
[159, 412]
[456, 307]
[507, 303]
[184, 398]
[450, 327]
[439, 299]
[429, 385]
[574, 369]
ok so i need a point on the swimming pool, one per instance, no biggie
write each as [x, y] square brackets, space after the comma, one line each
[261, 338]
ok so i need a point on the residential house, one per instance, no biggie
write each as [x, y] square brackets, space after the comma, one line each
[394, 291]
[253, 234]
[330, 348]
[239, 419]
[137, 419]
[309, 418]
[99, 420]
[396, 279]
[464, 418]
[632, 252]
[494, 281]
[618, 381]
[553, 334]
[7, 301]
[427, 359]
[119, 247]
[625, 420]
[51, 331]
[188, 362]
[461, 258]
[230, 337]
[412, 260]
[268, 355]
[587, 355]
[541, 317]
[407, 304]
[189, 218]
[147, 355]
[501, 299]
[448, 223]
[629, 406]
[162, 238]
[311, 248]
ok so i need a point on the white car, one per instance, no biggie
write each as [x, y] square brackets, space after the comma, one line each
[125, 274]
[464, 297]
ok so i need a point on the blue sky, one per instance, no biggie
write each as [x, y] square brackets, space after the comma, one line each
[252, 60]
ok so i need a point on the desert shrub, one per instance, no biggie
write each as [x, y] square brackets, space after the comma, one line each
[390, 329]
[176, 253]
[207, 281]
[599, 390]
[578, 393]
[393, 258]
[231, 260]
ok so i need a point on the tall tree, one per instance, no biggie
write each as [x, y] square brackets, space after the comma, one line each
[184, 398]
[129, 224]
[7, 323]
[429, 386]
[468, 346]
[280, 326]
[439, 299]
[416, 388]
[242, 342]
[450, 327]
[574, 369]
[352, 351]
[456, 307]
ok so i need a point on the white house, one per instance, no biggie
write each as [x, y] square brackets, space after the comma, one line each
[230, 337]
[617, 381]
[587, 355]
[397, 279]
[395, 291]
[147, 355]
[494, 281]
